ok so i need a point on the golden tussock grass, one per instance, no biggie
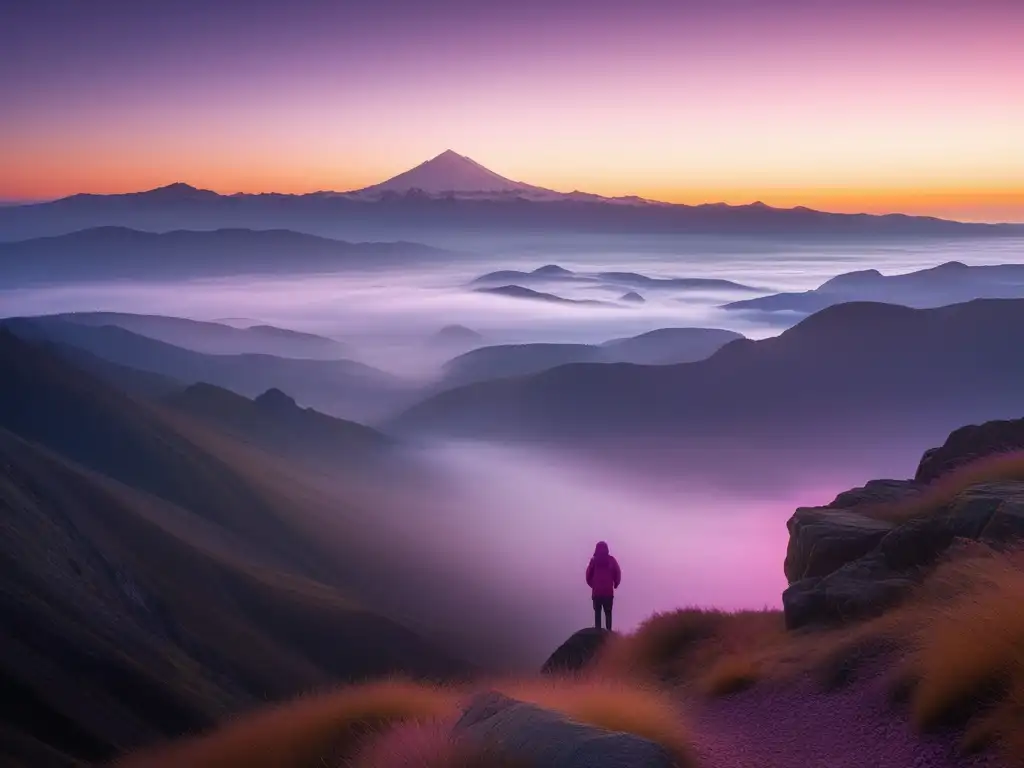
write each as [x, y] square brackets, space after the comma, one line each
[967, 662]
[717, 650]
[953, 651]
[998, 467]
[306, 733]
[397, 724]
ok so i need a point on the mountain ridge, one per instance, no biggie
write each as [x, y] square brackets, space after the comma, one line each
[405, 204]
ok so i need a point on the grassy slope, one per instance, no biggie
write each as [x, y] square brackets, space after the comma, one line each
[157, 576]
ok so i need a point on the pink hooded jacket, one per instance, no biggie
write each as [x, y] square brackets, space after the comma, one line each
[603, 573]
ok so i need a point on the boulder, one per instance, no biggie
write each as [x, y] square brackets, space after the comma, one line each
[969, 443]
[835, 577]
[823, 539]
[576, 652]
[525, 734]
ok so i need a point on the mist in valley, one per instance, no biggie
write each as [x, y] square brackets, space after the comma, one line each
[484, 548]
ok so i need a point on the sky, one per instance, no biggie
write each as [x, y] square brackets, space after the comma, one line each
[894, 105]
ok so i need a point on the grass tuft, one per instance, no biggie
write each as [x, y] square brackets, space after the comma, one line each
[995, 468]
[970, 654]
[310, 732]
[691, 644]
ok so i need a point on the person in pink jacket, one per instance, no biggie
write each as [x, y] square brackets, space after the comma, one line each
[603, 577]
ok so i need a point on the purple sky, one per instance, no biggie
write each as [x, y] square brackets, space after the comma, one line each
[874, 105]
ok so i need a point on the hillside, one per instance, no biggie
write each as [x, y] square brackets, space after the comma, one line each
[868, 368]
[947, 283]
[217, 338]
[274, 422]
[195, 578]
[664, 346]
[341, 387]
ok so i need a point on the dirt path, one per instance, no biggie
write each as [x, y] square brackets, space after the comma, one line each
[797, 726]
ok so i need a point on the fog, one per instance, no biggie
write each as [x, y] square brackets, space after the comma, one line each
[387, 315]
[497, 542]
[500, 543]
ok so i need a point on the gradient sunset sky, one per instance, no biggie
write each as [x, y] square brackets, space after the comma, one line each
[901, 105]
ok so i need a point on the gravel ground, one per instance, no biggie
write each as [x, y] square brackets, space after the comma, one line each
[798, 726]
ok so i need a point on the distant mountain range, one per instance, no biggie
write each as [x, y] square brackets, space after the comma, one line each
[451, 194]
[343, 388]
[552, 273]
[528, 294]
[846, 376]
[948, 283]
[109, 252]
[217, 338]
[665, 346]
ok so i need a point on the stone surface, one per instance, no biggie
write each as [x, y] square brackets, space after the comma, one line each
[540, 738]
[969, 443]
[576, 652]
[823, 539]
[842, 566]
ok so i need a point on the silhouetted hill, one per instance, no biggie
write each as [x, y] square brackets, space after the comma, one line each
[519, 292]
[667, 346]
[872, 369]
[273, 421]
[217, 338]
[661, 347]
[117, 252]
[341, 387]
[948, 283]
[156, 580]
[636, 280]
[554, 273]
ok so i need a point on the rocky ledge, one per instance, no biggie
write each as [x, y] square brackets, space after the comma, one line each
[844, 561]
[576, 653]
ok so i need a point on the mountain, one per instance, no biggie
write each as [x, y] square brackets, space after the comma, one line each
[661, 347]
[447, 197]
[949, 283]
[552, 273]
[340, 387]
[117, 252]
[274, 422]
[519, 292]
[450, 173]
[869, 372]
[158, 579]
[217, 338]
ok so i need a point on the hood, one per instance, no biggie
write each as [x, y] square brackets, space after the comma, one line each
[601, 550]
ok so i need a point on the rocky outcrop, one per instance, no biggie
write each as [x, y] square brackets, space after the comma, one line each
[822, 539]
[577, 652]
[846, 560]
[968, 444]
[528, 735]
[873, 580]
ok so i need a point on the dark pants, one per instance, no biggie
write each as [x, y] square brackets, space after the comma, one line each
[603, 604]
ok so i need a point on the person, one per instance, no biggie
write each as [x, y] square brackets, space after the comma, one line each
[603, 578]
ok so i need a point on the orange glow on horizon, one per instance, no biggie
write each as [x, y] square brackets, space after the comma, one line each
[993, 204]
